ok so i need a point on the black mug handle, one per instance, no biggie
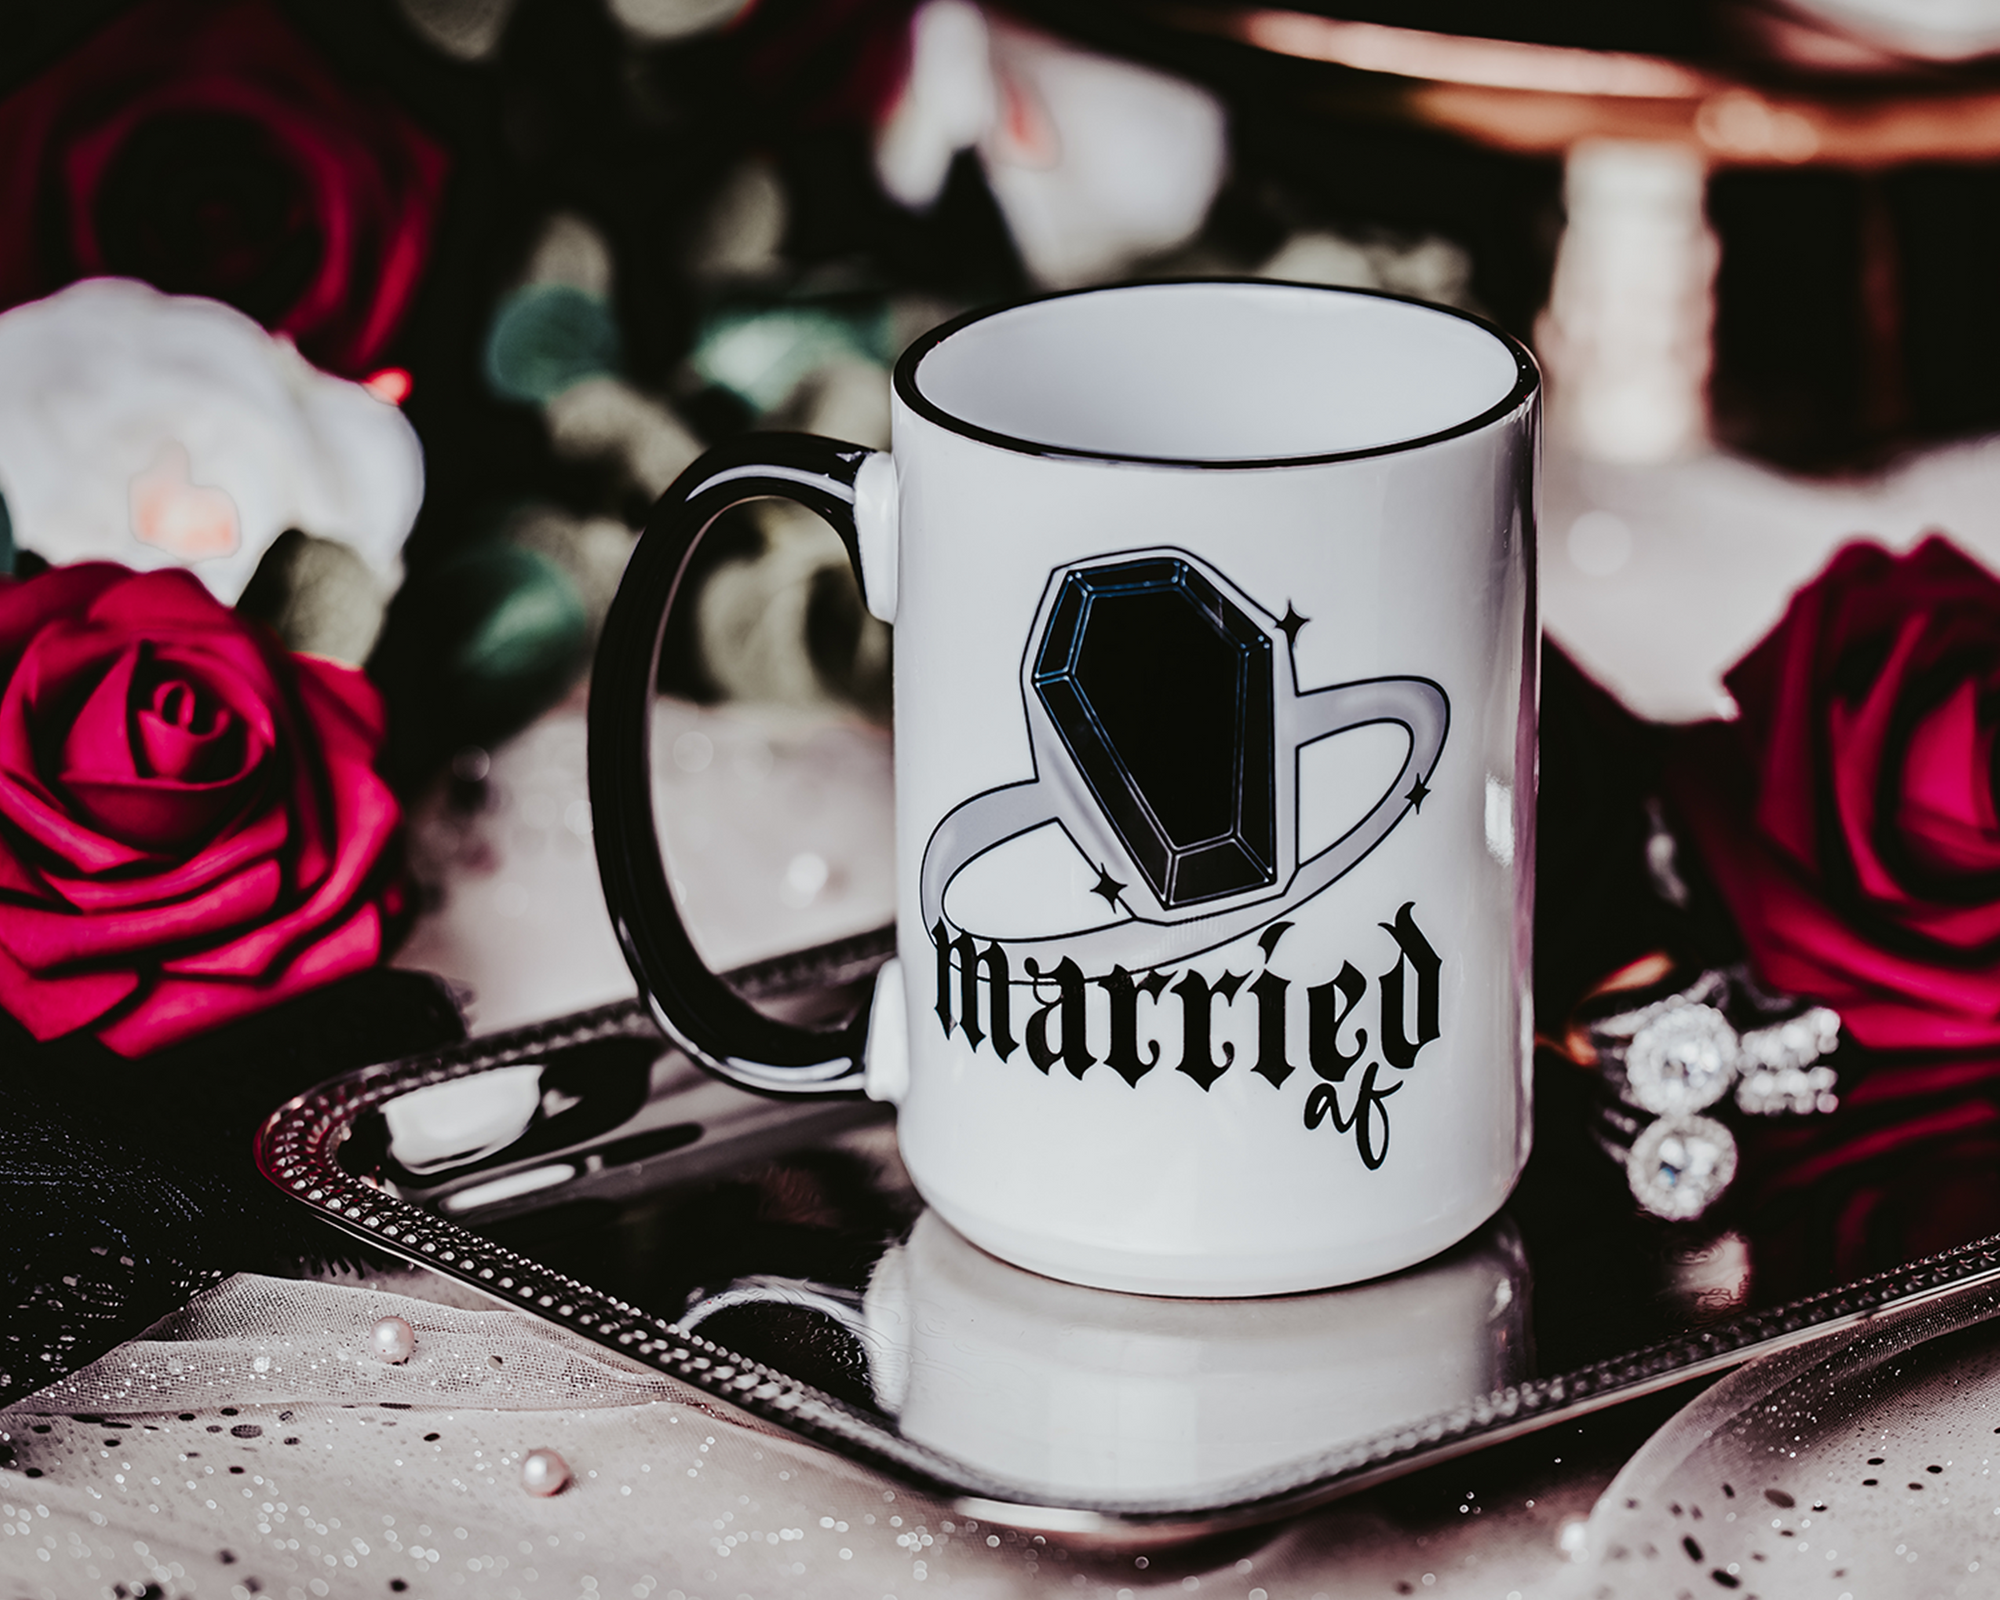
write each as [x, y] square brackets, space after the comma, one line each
[697, 1009]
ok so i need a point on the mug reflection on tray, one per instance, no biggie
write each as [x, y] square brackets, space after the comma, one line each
[1085, 1392]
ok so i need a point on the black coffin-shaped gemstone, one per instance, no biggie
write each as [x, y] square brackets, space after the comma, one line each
[1161, 688]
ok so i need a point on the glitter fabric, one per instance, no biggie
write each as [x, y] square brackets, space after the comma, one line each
[1865, 1463]
[127, 1187]
[252, 1446]
[84, 1265]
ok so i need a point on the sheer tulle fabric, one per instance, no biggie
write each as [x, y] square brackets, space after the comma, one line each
[254, 1435]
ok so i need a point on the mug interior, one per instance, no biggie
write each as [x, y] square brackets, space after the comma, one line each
[1239, 372]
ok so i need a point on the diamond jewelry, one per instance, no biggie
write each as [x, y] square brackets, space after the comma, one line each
[1672, 1058]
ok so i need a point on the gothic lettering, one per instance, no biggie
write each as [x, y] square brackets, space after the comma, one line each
[1270, 989]
[998, 989]
[1197, 997]
[1415, 954]
[1271, 1063]
[1124, 990]
[1069, 1000]
[1408, 1006]
[1324, 1020]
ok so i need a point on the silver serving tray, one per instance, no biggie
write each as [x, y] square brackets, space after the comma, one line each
[1109, 1420]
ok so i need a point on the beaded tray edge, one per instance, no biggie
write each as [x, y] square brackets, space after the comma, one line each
[296, 1150]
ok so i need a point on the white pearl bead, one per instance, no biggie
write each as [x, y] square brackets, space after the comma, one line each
[544, 1473]
[393, 1340]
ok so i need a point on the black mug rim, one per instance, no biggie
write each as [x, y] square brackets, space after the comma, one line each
[1527, 381]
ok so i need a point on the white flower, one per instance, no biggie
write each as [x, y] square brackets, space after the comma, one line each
[161, 430]
[1096, 163]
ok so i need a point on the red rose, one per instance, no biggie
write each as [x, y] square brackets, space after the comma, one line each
[1849, 816]
[206, 149]
[190, 824]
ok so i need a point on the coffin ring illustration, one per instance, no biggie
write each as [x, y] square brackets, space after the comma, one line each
[1165, 719]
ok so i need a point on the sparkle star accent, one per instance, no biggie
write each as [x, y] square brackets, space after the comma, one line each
[1419, 792]
[1290, 624]
[1109, 887]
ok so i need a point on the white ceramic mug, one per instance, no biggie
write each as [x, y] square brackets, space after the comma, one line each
[1214, 694]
